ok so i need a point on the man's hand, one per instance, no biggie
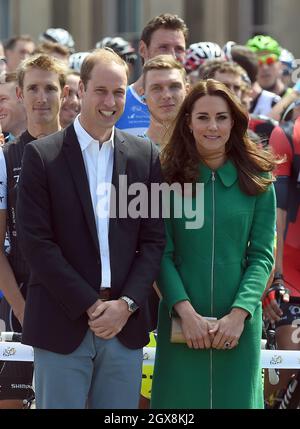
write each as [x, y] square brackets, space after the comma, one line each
[107, 318]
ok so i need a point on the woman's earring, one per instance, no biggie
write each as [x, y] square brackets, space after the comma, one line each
[191, 131]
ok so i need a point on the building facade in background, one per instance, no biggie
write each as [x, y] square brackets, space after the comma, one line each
[213, 20]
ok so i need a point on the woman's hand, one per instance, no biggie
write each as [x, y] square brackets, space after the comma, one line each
[195, 328]
[227, 331]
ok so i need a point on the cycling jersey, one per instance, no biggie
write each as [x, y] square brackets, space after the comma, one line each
[262, 126]
[288, 196]
[13, 373]
[136, 117]
[264, 102]
[13, 153]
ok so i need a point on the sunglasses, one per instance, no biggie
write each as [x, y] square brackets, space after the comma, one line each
[267, 59]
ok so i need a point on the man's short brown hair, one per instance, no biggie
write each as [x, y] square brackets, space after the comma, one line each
[52, 48]
[105, 55]
[163, 62]
[11, 43]
[209, 69]
[166, 21]
[43, 62]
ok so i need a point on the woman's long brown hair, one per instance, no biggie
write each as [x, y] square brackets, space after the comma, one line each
[180, 158]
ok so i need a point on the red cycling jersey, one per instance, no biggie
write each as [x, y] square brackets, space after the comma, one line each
[290, 169]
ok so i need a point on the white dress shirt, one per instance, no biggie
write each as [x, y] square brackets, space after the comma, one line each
[98, 160]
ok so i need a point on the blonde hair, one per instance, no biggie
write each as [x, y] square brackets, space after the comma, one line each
[43, 62]
[163, 62]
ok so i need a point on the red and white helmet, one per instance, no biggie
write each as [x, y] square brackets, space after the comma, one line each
[198, 53]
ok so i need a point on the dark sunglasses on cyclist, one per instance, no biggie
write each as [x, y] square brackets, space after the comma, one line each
[267, 59]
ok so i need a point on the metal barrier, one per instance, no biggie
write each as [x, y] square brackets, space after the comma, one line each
[287, 359]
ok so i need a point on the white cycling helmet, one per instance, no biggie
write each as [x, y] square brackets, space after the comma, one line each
[76, 60]
[227, 49]
[121, 46]
[199, 52]
[287, 58]
[58, 35]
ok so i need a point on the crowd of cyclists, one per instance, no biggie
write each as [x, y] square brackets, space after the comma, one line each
[261, 74]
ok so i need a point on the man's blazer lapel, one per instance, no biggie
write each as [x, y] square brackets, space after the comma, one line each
[120, 157]
[120, 163]
[75, 161]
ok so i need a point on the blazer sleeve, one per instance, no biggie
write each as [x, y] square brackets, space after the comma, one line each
[151, 244]
[37, 240]
[260, 253]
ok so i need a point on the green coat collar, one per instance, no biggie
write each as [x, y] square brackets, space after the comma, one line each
[227, 173]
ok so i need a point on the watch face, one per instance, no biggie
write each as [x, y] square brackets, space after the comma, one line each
[133, 306]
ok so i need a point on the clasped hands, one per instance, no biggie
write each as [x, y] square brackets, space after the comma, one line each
[201, 333]
[107, 318]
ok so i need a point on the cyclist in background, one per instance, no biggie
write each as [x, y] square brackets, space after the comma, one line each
[286, 144]
[164, 34]
[41, 81]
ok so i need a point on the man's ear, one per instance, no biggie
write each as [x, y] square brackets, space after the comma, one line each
[65, 91]
[19, 93]
[143, 50]
[81, 89]
[187, 87]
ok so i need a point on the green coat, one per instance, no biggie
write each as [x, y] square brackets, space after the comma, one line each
[222, 265]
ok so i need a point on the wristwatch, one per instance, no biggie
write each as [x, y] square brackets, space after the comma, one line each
[132, 307]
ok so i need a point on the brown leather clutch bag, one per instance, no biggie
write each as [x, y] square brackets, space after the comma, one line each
[176, 330]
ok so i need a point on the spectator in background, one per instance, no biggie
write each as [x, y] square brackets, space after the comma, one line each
[55, 50]
[164, 34]
[76, 59]
[165, 87]
[1, 49]
[227, 72]
[71, 104]
[17, 49]
[269, 74]
[197, 54]
[2, 59]
[58, 35]
[12, 112]
[122, 47]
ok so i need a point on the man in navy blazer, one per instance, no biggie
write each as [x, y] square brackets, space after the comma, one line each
[89, 305]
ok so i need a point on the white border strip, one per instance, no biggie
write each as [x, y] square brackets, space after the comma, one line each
[12, 351]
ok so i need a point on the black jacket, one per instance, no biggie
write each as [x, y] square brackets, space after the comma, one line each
[57, 232]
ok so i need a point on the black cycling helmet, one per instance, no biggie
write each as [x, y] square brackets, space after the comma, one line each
[59, 35]
[121, 46]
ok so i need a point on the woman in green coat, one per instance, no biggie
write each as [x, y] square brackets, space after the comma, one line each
[219, 269]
